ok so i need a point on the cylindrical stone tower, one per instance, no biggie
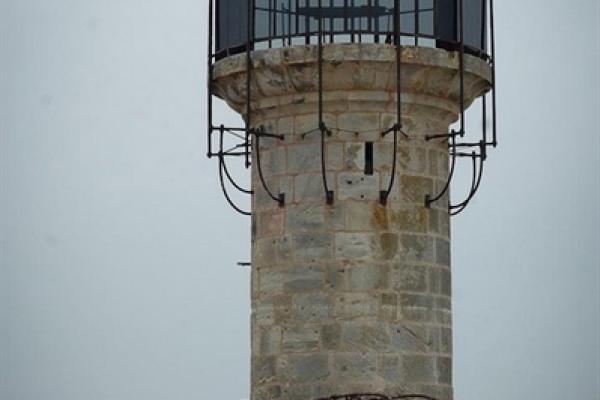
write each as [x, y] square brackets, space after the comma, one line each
[350, 295]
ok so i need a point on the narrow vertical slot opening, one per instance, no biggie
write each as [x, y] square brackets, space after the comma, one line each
[369, 158]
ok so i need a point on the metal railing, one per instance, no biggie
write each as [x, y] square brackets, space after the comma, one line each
[325, 13]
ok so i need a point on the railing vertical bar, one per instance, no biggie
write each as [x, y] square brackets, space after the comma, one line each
[297, 18]
[331, 24]
[274, 12]
[320, 49]
[376, 23]
[249, 78]
[210, 75]
[370, 17]
[493, 58]
[483, 25]
[282, 21]
[462, 68]
[417, 11]
[307, 24]
[289, 27]
[352, 28]
[398, 44]
[270, 24]
[346, 16]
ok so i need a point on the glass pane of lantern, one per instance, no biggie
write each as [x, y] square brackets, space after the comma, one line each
[232, 22]
[279, 20]
[384, 24]
[407, 5]
[261, 26]
[387, 4]
[407, 23]
[426, 22]
[425, 4]
[473, 23]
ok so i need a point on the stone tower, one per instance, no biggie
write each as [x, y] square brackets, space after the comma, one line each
[350, 294]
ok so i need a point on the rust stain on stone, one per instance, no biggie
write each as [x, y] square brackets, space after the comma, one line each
[379, 217]
[388, 243]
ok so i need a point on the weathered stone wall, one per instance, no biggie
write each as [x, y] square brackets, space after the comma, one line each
[354, 296]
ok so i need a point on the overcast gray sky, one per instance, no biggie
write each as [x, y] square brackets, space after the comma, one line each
[117, 251]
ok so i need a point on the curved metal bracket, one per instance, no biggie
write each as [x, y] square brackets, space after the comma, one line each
[223, 169]
[232, 181]
[430, 200]
[384, 194]
[280, 199]
[475, 182]
[222, 155]
[224, 189]
[328, 193]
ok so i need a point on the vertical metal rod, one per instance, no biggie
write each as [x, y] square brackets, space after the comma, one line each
[322, 127]
[416, 22]
[307, 23]
[270, 25]
[274, 11]
[397, 43]
[383, 195]
[282, 21]
[320, 49]
[359, 29]
[297, 18]
[352, 39]
[483, 25]
[493, 56]
[289, 31]
[484, 49]
[210, 72]
[484, 118]
[370, 16]
[376, 20]
[252, 26]
[248, 78]
[435, 11]
[331, 24]
[462, 68]
[346, 16]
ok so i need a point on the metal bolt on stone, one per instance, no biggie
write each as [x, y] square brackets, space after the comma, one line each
[347, 136]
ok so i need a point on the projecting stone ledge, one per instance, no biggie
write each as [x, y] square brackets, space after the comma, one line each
[285, 80]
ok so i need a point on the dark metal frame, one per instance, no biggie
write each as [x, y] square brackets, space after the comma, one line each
[249, 147]
[282, 34]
